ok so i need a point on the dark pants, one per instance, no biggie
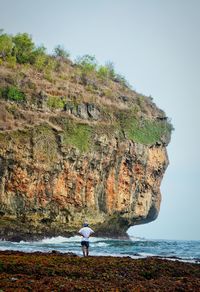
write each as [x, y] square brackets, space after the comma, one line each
[85, 243]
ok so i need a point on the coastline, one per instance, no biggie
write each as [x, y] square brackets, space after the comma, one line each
[135, 248]
[27, 232]
[55, 271]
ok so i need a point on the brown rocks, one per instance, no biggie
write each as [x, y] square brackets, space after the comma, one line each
[76, 145]
[47, 190]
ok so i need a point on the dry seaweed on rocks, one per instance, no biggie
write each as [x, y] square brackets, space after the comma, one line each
[68, 272]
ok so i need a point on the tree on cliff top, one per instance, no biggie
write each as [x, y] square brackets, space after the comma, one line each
[6, 46]
[23, 47]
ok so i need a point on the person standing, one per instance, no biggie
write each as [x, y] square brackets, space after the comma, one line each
[85, 231]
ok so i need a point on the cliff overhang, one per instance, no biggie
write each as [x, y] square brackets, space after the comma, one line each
[77, 146]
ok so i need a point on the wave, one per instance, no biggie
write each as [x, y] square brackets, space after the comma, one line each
[99, 244]
[135, 247]
[135, 238]
[61, 240]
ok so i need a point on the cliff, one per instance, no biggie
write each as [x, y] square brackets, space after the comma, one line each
[75, 147]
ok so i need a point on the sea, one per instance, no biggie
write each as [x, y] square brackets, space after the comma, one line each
[134, 247]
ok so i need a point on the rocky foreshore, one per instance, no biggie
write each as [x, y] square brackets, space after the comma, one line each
[69, 272]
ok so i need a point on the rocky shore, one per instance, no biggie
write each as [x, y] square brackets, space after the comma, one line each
[69, 272]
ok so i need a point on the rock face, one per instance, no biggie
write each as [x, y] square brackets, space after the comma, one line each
[72, 151]
[47, 188]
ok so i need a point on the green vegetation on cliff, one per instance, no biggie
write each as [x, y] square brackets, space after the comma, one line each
[75, 142]
[55, 102]
[89, 96]
[12, 93]
[77, 135]
[143, 130]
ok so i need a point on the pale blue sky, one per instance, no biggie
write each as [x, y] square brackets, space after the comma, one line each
[156, 45]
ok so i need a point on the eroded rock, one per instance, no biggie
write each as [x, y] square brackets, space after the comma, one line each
[113, 185]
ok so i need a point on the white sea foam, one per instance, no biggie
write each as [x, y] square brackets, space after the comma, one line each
[134, 238]
[103, 254]
[60, 239]
[135, 247]
[99, 244]
[146, 254]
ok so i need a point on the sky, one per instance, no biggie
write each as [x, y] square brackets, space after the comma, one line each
[156, 46]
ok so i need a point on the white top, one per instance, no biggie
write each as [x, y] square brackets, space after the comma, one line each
[86, 232]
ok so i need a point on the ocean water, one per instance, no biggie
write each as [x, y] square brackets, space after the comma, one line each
[134, 247]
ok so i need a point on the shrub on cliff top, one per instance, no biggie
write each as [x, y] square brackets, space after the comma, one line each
[111, 69]
[87, 66]
[60, 52]
[6, 46]
[20, 48]
[122, 80]
[87, 63]
[103, 73]
[13, 93]
[23, 48]
[39, 58]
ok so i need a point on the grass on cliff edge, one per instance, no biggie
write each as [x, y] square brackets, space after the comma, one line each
[55, 102]
[81, 77]
[75, 134]
[147, 132]
[144, 131]
[79, 136]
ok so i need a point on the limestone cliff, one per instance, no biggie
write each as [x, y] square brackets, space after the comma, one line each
[98, 156]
